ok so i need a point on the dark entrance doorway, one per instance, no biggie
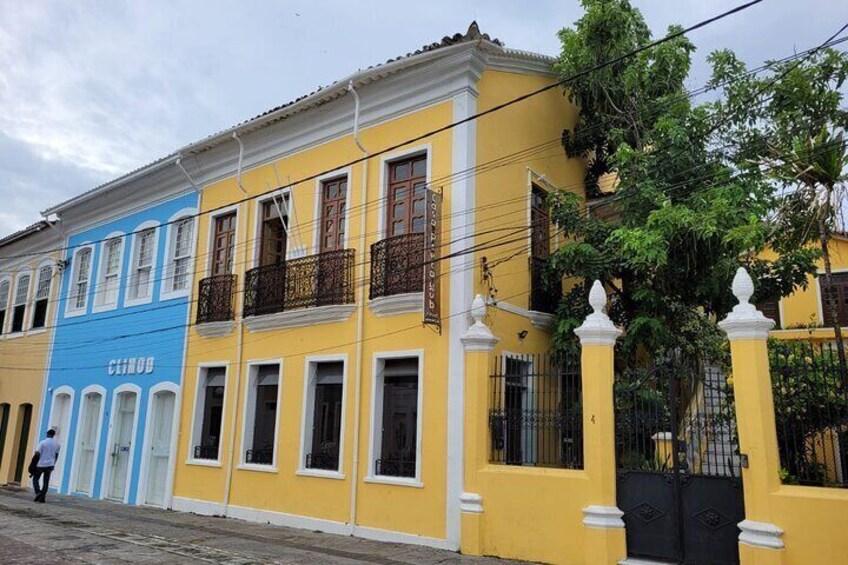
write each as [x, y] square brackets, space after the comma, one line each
[679, 481]
[25, 416]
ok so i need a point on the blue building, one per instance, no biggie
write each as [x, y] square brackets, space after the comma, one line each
[113, 379]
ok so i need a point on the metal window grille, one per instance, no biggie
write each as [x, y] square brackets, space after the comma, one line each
[215, 299]
[397, 265]
[535, 412]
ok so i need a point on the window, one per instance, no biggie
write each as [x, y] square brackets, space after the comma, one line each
[840, 295]
[323, 419]
[407, 196]
[771, 309]
[209, 412]
[110, 267]
[333, 206]
[260, 425]
[82, 272]
[272, 238]
[540, 223]
[396, 450]
[143, 258]
[223, 243]
[182, 232]
[4, 302]
[42, 296]
[19, 309]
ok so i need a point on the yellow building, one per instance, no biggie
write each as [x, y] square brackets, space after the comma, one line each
[804, 313]
[314, 395]
[28, 288]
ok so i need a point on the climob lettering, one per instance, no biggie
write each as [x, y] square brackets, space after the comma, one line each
[131, 366]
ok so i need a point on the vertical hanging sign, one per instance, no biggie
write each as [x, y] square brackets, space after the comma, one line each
[432, 310]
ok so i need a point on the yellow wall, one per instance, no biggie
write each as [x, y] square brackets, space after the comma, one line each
[28, 351]
[800, 311]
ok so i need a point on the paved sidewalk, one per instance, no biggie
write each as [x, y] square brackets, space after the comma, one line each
[72, 529]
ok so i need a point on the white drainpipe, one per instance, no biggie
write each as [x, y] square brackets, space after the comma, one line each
[240, 161]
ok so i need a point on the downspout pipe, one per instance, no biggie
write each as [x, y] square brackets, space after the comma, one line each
[240, 161]
[179, 163]
[360, 318]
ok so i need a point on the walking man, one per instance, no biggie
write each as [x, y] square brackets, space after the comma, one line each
[48, 452]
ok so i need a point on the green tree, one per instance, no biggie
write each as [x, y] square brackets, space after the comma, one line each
[685, 213]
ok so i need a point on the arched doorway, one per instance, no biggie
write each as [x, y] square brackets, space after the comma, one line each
[4, 429]
[88, 437]
[24, 424]
[120, 444]
[60, 422]
[159, 445]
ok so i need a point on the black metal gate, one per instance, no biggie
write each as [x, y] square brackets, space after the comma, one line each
[679, 481]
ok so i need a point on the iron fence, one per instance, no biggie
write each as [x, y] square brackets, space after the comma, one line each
[399, 466]
[206, 452]
[328, 461]
[215, 299]
[317, 280]
[676, 416]
[397, 265]
[544, 293]
[811, 412]
[259, 456]
[535, 413]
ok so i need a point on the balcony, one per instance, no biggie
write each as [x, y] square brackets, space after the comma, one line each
[215, 299]
[304, 291]
[397, 270]
[544, 294]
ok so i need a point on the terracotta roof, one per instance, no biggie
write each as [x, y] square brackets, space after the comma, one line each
[315, 98]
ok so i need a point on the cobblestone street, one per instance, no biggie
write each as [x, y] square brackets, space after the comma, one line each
[71, 529]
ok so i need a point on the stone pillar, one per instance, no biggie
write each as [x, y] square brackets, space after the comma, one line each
[479, 342]
[605, 536]
[747, 329]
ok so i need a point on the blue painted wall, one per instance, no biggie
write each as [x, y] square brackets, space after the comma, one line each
[84, 344]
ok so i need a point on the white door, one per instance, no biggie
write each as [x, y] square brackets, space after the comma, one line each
[123, 418]
[90, 418]
[60, 420]
[160, 447]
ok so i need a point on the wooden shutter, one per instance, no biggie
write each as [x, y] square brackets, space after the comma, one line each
[333, 208]
[540, 223]
[407, 196]
[273, 237]
[223, 242]
[840, 289]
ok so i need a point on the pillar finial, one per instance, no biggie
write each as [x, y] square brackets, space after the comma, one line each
[597, 329]
[479, 337]
[745, 321]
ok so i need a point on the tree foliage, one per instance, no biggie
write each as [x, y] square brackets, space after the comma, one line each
[686, 212]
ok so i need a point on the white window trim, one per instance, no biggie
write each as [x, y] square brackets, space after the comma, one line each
[530, 361]
[346, 172]
[377, 416]
[63, 441]
[77, 439]
[100, 283]
[10, 313]
[6, 321]
[44, 263]
[307, 413]
[197, 419]
[106, 479]
[70, 311]
[141, 491]
[286, 196]
[128, 301]
[385, 161]
[252, 371]
[210, 237]
[166, 291]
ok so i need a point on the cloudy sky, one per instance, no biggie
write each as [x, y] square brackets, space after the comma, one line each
[92, 89]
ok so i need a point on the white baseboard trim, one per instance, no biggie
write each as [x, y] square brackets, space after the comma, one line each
[304, 522]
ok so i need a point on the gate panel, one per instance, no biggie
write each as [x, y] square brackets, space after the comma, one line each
[650, 514]
[711, 508]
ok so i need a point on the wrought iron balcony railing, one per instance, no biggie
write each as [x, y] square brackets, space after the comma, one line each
[206, 452]
[316, 280]
[327, 461]
[396, 465]
[259, 456]
[544, 293]
[215, 299]
[397, 265]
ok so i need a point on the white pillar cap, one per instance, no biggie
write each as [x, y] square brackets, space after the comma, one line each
[597, 328]
[478, 337]
[745, 321]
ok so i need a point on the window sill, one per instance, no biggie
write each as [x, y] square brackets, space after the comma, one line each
[407, 303]
[130, 302]
[300, 317]
[257, 468]
[37, 331]
[320, 473]
[104, 308]
[173, 295]
[75, 313]
[15, 335]
[204, 462]
[393, 481]
[216, 329]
